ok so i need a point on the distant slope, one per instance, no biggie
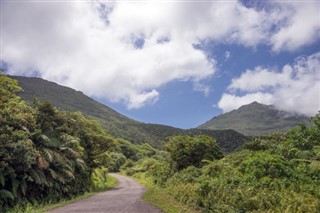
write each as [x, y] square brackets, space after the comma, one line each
[116, 124]
[71, 100]
[255, 119]
[228, 140]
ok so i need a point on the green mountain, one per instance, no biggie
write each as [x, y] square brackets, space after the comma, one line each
[256, 119]
[116, 124]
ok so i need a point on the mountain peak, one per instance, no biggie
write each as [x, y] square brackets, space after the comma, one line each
[116, 124]
[256, 119]
[254, 104]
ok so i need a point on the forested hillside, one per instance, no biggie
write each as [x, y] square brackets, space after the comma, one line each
[47, 155]
[116, 124]
[278, 173]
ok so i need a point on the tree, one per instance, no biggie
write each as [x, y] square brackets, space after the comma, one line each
[186, 150]
[45, 154]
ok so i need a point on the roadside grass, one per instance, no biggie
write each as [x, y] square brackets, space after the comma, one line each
[160, 198]
[40, 208]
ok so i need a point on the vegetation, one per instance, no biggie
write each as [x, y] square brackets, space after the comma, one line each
[191, 151]
[160, 197]
[48, 155]
[279, 173]
[116, 124]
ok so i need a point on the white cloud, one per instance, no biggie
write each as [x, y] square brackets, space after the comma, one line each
[261, 79]
[91, 46]
[138, 100]
[70, 44]
[296, 88]
[300, 25]
[230, 102]
[227, 56]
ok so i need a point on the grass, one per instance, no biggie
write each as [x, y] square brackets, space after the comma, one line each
[160, 198]
[40, 208]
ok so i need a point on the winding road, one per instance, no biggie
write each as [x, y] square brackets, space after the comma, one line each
[124, 198]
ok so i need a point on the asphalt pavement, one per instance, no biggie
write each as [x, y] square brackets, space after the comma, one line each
[124, 198]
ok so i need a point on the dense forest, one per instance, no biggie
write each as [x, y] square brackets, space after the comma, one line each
[47, 155]
[279, 173]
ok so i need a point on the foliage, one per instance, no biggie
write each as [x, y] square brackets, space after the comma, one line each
[100, 178]
[116, 124]
[45, 154]
[278, 173]
[186, 150]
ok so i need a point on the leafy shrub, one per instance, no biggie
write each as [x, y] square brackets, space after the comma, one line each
[186, 150]
[263, 164]
[161, 172]
[187, 175]
[256, 144]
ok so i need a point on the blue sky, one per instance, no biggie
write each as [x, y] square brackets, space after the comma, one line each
[177, 63]
[179, 105]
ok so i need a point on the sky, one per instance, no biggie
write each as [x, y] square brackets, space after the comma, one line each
[177, 63]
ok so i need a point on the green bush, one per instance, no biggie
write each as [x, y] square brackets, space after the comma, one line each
[266, 165]
[191, 151]
[161, 172]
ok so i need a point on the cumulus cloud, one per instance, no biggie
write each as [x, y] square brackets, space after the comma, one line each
[230, 102]
[227, 56]
[299, 25]
[71, 44]
[124, 51]
[296, 88]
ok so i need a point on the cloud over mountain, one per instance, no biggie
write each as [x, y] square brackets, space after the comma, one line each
[295, 88]
[125, 51]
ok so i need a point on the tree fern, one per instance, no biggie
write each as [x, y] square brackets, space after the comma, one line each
[81, 164]
[48, 154]
[14, 190]
[38, 176]
[69, 174]
[52, 173]
[5, 195]
[23, 187]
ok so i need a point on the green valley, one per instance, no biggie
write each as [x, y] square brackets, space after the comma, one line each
[63, 145]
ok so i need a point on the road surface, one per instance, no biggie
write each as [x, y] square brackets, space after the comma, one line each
[124, 198]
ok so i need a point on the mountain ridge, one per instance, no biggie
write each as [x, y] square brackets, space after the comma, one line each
[256, 119]
[115, 123]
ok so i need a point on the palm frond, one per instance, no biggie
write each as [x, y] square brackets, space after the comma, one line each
[69, 174]
[53, 173]
[48, 154]
[15, 185]
[5, 194]
[24, 187]
[38, 176]
[81, 164]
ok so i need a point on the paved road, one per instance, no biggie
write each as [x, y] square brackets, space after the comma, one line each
[125, 198]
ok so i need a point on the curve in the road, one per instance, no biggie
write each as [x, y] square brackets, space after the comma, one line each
[124, 198]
